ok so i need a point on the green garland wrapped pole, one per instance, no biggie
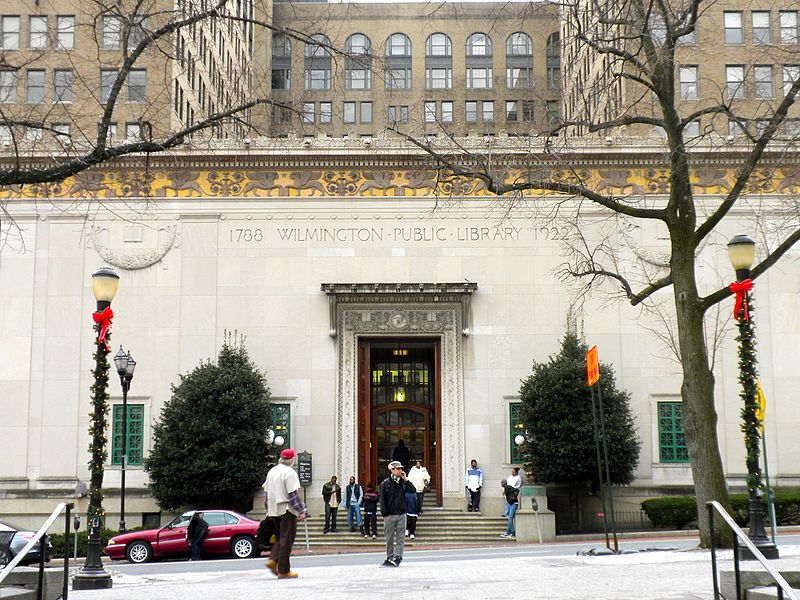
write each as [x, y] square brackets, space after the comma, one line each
[92, 575]
[741, 251]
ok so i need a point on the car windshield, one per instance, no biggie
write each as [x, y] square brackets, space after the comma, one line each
[6, 526]
[181, 521]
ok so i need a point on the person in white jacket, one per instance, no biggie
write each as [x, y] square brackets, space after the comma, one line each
[421, 479]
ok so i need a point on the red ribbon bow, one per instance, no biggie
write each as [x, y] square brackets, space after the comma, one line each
[103, 318]
[740, 288]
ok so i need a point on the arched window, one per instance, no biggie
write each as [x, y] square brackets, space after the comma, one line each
[479, 44]
[281, 61]
[318, 63]
[553, 57]
[519, 61]
[438, 62]
[358, 62]
[397, 62]
[479, 61]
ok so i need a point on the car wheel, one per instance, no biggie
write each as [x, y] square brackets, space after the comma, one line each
[139, 552]
[244, 547]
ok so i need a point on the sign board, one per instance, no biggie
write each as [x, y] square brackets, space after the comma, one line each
[592, 366]
[304, 468]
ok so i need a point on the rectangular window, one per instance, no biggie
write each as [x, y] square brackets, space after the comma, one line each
[308, 112]
[734, 81]
[109, 33]
[107, 78]
[515, 428]
[479, 78]
[138, 33]
[528, 110]
[62, 85]
[281, 79]
[8, 87]
[519, 78]
[357, 79]
[790, 75]
[471, 111]
[325, 112]
[762, 75]
[398, 114]
[488, 111]
[37, 33]
[553, 78]
[788, 20]
[137, 85]
[792, 128]
[447, 111]
[761, 28]
[366, 112]
[9, 33]
[133, 132]
[511, 110]
[281, 422]
[553, 108]
[692, 130]
[430, 112]
[318, 79]
[134, 435]
[34, 86]
[5, 134]
[349, 112]
[671, 439]
[398, 79]
[733, 27]
[688, 76]
[65, 32]
[33, 134]
[61, 132]
[439, 79]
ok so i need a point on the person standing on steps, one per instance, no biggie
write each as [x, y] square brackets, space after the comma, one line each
[421, 479]
[392, 496]
[332, 496]
[402, 454]
[370, 512]
[284, 509]
[353, 497]
[473, 480]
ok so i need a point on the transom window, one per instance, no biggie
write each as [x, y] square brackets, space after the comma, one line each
[318, 46]
[519, 44]
[438, 44]
[358, 44]
[398, 44]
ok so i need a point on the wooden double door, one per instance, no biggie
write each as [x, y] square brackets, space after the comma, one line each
[398, 399]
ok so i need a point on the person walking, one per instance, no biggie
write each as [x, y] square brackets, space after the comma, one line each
[284, 509]
[402, 454]
[512, 502]
[514, 480]
[370, 512]
[421, 479]
[473, 480]
[353, 497]
[332, 496]
[392, 497]
[196, 533]
[411, 515]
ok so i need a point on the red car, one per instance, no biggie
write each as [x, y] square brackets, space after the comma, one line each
[228, 533]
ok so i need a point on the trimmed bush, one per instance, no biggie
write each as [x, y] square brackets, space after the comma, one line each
[57, 539]
[676, 512]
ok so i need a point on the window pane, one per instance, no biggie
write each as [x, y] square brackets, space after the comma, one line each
[488, 111]
[511, 110]
[65, 32]
[34, 86]
[471, 111]
[8, 87]
[349, 112]
[761, 30]
[135, 434]
[366, 112]
[688, 79]
[516, 427]
[37, 33]
[325, 112]
[308, 112]
[62, 86]
[447, 111]
[281, 79]
[430, 112]
[733, 28]
[790, 75]
[519, 44]
[671, 437]
[137, 85]
[281, 46]
[763, 81]
[109, 33]
[734, 77]
[9, 32]
[788, 27]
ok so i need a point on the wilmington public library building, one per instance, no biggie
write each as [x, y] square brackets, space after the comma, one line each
[382, 300]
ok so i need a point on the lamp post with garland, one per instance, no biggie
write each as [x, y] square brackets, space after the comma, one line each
[92, 576]
[741, 252]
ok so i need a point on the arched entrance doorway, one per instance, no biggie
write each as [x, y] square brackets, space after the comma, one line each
[399, 397]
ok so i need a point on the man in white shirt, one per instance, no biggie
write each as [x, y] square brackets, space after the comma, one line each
[420, 478]
[515, 481]
[284, 509]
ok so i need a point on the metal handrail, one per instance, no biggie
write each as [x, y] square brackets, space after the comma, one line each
[781, 584]
[6, 571]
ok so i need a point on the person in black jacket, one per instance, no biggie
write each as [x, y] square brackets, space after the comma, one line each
[393, 509]
[370, 511]
[196, 533]
[402, 454]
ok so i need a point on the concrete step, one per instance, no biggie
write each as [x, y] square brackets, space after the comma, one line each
[27, 580]
[765, 593]
[16, 593]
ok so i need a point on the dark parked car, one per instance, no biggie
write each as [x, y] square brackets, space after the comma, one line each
[229, 533]
[20, 536]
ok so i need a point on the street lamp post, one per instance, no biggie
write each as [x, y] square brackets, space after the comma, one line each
[92, 576]
[741, 251]
[125, 366]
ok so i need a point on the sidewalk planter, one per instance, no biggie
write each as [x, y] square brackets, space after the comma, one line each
[526, 518]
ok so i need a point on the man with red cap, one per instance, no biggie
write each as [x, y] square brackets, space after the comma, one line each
[284, 509]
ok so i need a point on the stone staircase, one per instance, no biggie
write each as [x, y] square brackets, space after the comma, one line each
[756, 583]
[436, 526]
[23, 583]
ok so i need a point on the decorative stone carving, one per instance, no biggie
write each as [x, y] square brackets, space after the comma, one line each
[167, 238]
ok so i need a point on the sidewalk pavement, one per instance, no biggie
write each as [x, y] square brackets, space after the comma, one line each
[662, 575]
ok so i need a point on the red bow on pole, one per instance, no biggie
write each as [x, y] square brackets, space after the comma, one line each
[104, 319]
[740, 288]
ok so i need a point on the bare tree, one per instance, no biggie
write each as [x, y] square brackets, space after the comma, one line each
[624, 63]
